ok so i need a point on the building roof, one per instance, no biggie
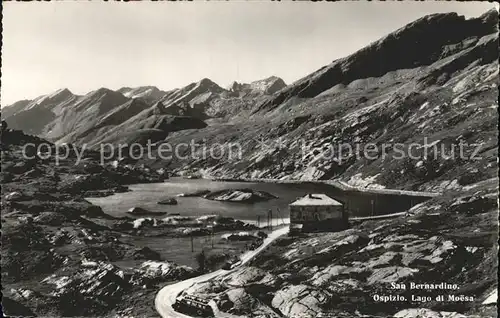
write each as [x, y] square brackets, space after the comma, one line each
[315, 199]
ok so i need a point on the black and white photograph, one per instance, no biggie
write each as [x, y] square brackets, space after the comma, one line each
[260, 159]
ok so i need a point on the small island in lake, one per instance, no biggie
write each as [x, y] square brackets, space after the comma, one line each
[137, 211]
[240, 195]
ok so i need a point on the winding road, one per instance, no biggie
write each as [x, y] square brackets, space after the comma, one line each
[167, 295]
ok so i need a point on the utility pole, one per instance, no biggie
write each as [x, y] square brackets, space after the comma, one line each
[212, 237]
[270, 219]
[192, 243]
[267, 219]
[258, 221]
[281, 216]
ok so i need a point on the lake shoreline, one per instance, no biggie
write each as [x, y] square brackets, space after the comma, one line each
[364, 202]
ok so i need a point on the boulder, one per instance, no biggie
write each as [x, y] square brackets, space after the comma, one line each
[50, 218]
[247, 276]
[428, 313]
[241, 301]
[138, 211]
[196, 232]
[90, 288]
[299, 301]
[146, 253]
[391, 274]
[207, 288]
[197, 193]
[169, 201]
[332, 272]
[162, 271]
[14, 196]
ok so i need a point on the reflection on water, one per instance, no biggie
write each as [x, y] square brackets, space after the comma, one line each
[147, 196]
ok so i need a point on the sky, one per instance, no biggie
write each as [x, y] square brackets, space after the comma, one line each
[87, 45]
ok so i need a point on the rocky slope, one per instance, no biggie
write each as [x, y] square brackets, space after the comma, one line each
[33, 116]
[387, 101]
[268, 86]
[58, 250]
[385, 55]
[153, 123]
[353, 273]
[63, 256]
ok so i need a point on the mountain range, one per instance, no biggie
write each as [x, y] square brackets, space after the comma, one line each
[133, 114]
[435, 79]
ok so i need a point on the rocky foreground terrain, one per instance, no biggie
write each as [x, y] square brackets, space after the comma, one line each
[57, 248]
[59, 252]
[426, 88]
[445, 240]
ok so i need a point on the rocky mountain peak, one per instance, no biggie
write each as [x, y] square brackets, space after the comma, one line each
[134, 91]
[102, 91]
[63, 92]
[418, 43]
[150, 94]
[490, 17]
[268, 85]
[53, 98]
[234, 86]
[209, 85]
[105, 95]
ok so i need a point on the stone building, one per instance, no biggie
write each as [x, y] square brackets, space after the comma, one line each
[317, 212]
